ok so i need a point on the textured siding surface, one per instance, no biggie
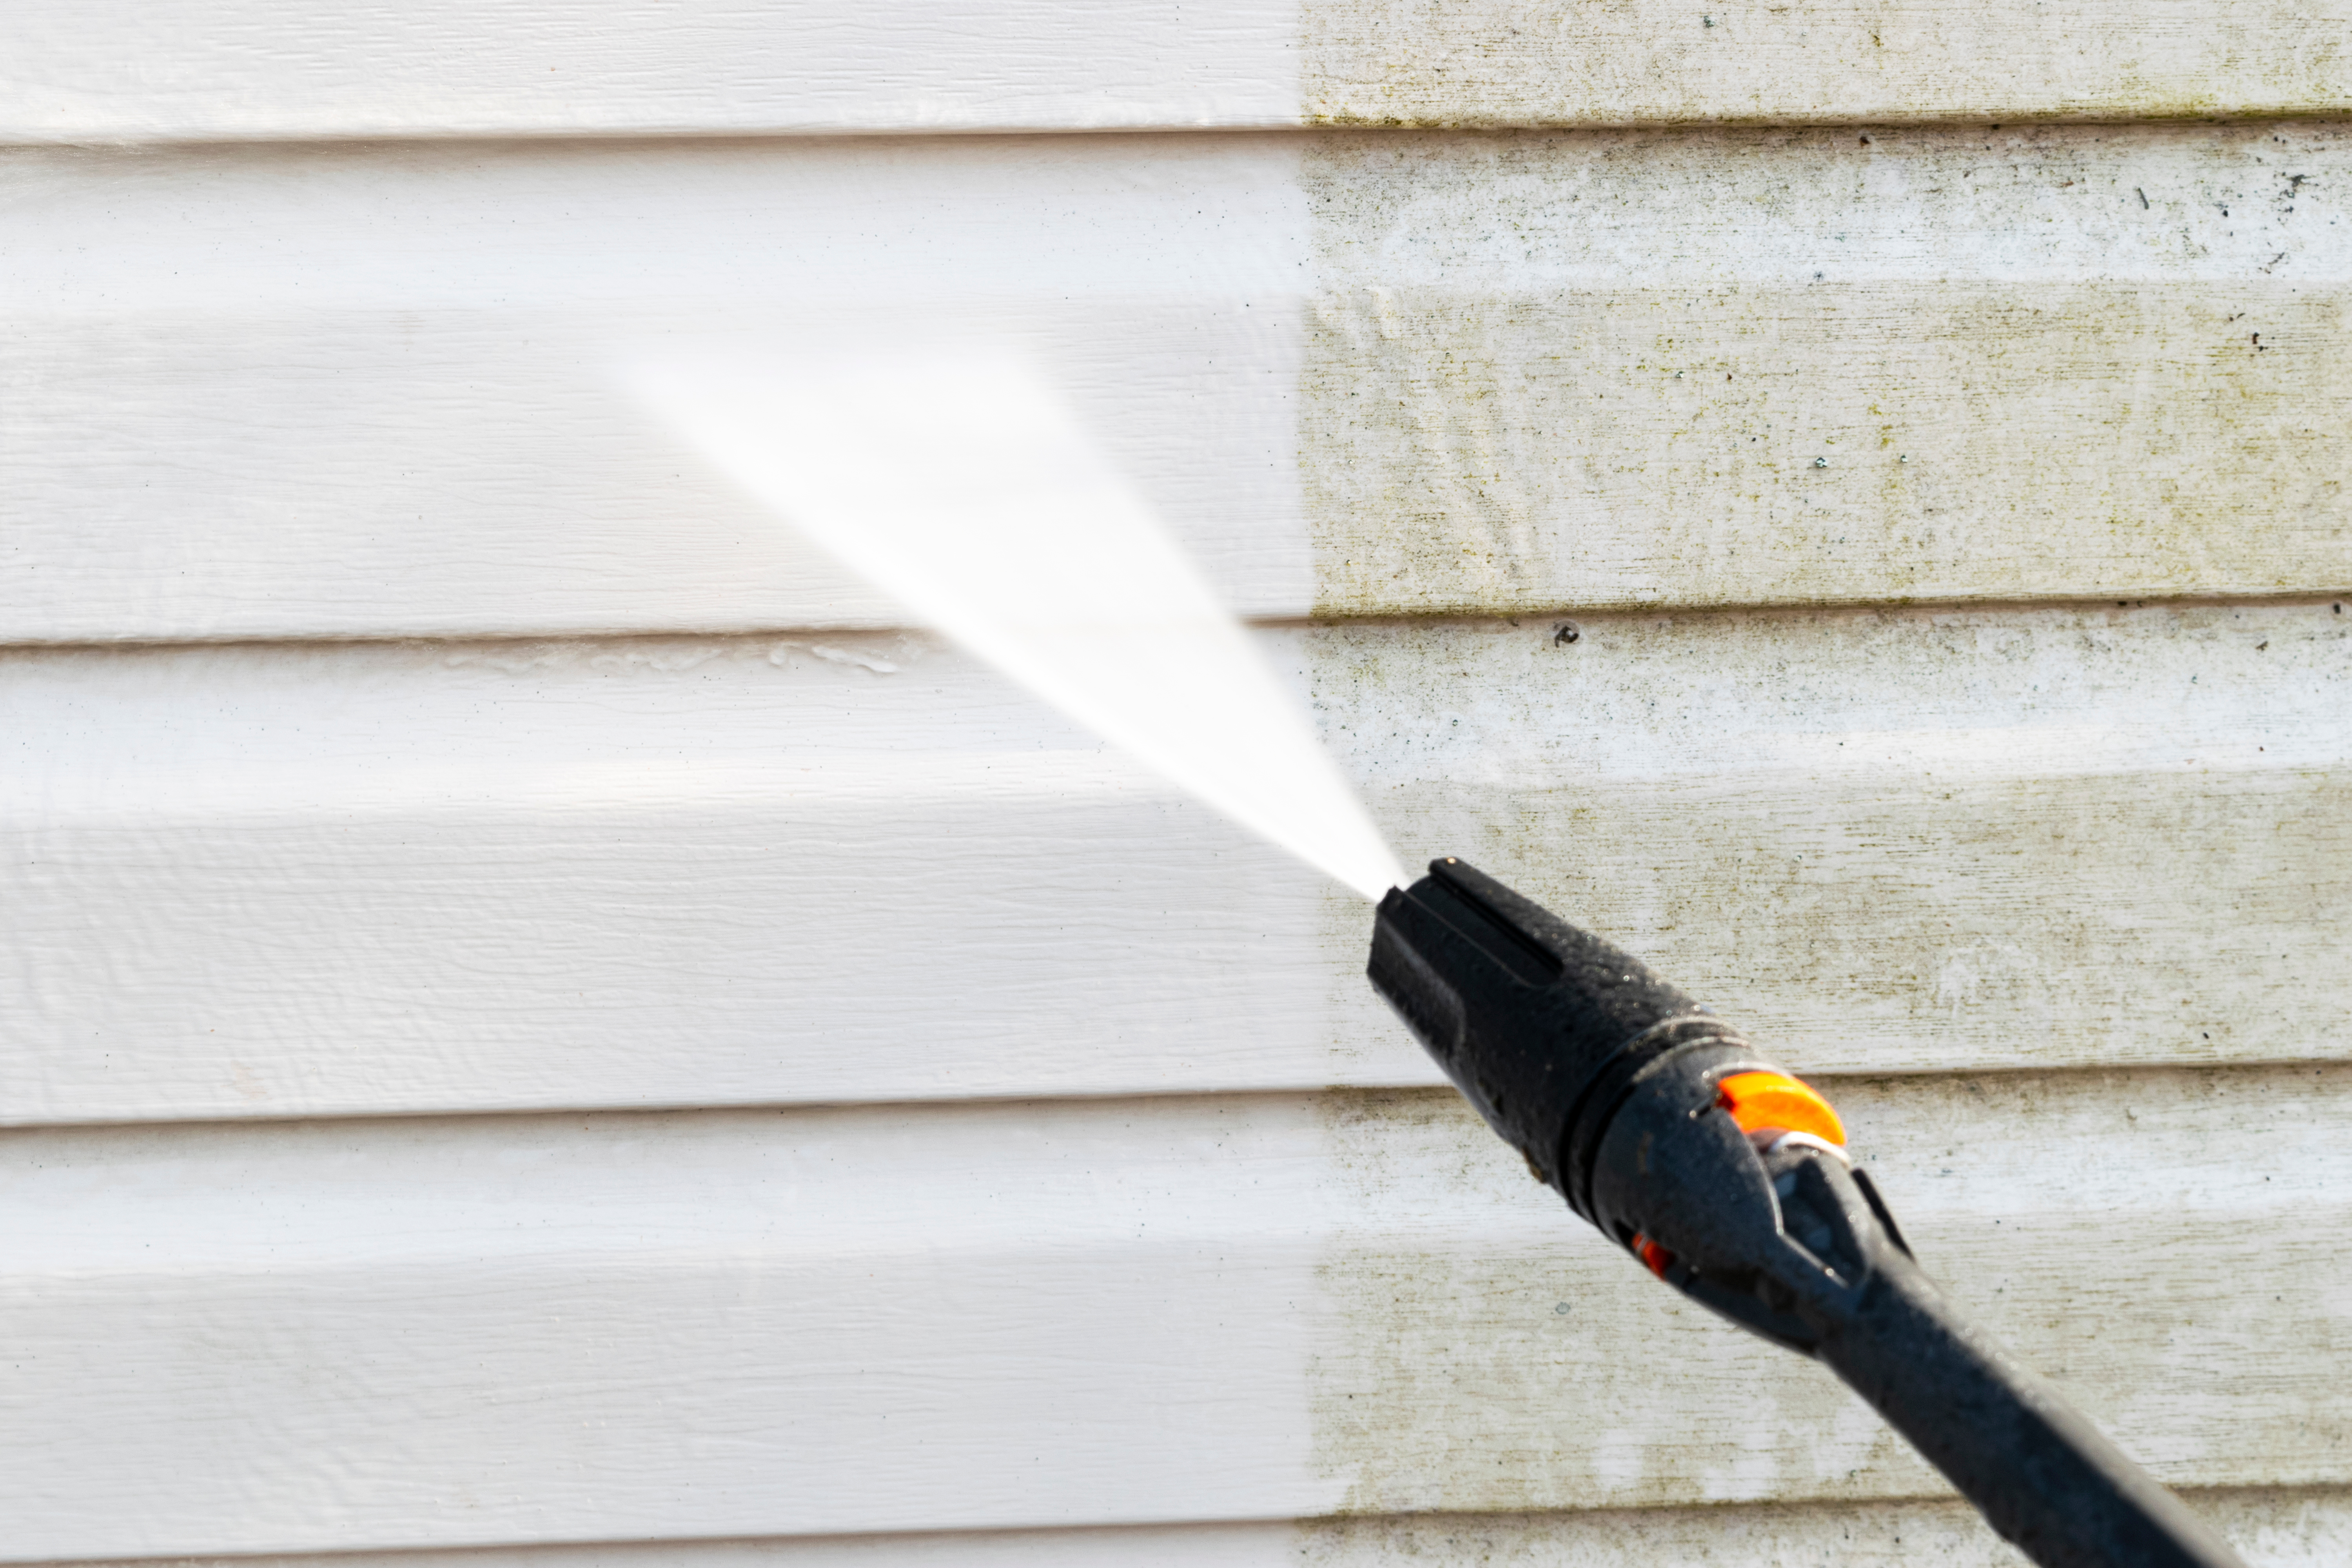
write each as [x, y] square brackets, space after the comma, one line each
[292, 392]
[547, 1029]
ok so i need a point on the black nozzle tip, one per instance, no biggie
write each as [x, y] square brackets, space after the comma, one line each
[1523, 1010]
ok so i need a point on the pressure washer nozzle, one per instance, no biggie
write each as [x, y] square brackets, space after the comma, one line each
[1542, 1027]
[1730, 1180]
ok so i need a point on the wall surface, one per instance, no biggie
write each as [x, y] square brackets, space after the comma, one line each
[547, 1029]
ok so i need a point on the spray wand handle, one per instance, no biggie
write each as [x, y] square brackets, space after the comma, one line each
[1658, 1123]
[2044, 1477]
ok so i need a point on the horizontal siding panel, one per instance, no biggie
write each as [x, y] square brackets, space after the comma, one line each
[296, 880]
[1892, 841]
[2301, 1529]
[268, 69]
[370, 392]
[1618, 447]
[359, 392]
[365, 879]
[485, 1331]
[1850, 366]
[256, 69]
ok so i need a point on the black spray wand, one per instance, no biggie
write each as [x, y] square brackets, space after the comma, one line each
[1660, 1124]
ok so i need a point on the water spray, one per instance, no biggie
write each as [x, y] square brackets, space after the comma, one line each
[965, 486]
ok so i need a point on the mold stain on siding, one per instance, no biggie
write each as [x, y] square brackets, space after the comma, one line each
[1619, 370]
[1500, 62]
[1843, 443]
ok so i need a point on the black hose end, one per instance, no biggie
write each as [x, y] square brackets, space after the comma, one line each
[1523, 1010]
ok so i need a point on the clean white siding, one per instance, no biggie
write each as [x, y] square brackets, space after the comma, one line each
[544, 1029]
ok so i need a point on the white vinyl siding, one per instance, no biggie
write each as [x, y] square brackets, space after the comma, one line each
[545, 1029]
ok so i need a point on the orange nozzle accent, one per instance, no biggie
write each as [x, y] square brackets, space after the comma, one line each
[1760, 1099]
[1658, 1258]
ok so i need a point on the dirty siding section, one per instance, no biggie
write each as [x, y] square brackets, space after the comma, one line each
[1903, 838]
[1507, 62]
[546, 1028]
[1606, 369]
